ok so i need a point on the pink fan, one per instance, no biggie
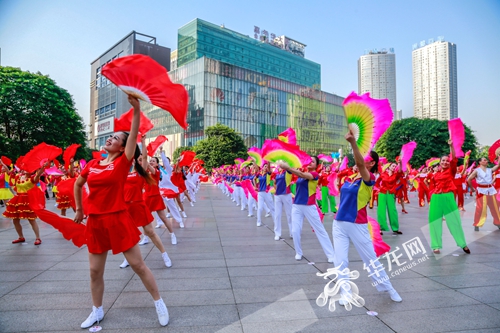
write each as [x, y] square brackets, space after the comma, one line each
[379, 245]
[332, 184]
[325, 158]
[407, 153]
[288, 136]
[53, 171]
[256, 154]
[457, 135]
[277, 150]
[344, 164]
[140, 76]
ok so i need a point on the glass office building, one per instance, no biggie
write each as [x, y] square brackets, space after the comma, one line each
[254, 87]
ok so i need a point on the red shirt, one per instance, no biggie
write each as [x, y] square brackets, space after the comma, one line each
[444, 179]
[323, 179]
[388, 182]
[106, 185]
[151, 190]
[133, 187]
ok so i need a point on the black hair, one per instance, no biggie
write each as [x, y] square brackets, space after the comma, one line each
[374, 156]
[316, 158]
[140, 170]
[479, 159]
[126, 138]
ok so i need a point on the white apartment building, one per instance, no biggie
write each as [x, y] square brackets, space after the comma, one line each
[377, 75]
[434, 64]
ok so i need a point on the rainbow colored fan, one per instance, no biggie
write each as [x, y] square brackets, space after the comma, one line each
[367, 118]
[256, 154]
[276, 150]
[288, 136]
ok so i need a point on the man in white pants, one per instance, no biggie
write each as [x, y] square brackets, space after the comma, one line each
[282, 199]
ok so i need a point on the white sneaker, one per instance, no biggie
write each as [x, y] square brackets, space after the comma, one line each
[268, 214]
[166, 259]
[168, 215]
[191, 203]
[330, 260]
[158, 226]
[124, 264]
[276, 238]
[95, 316]
[298, 257]
[183, 213]
[395, 296]
[250, 215]
[181, 224]
[259, 224]
[161, 310]
[144, 240]
[173, 239]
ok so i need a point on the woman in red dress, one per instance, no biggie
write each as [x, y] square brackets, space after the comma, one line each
[109, 225]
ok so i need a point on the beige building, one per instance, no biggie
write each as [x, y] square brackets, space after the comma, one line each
[434, 64]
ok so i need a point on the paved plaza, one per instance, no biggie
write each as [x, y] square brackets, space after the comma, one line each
[229, 275]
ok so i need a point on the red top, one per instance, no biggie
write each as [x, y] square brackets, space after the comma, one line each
[388, 183]
[444, 179]
[133, 187]
[459, 181]
[151, 190]
[323, 178]
[106, 185]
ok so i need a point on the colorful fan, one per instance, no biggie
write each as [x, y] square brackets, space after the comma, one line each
[39, 155]
[344, 164]
[367, 118]
[238, 161]
[53, 171]
[406, 154]
[494, 151]
[69, 153]
[125, 122]
[276, 150]
[140, 76]
[457, 135]
[186, 158]
[256, 154]
[288, 136]
[333, 188]
[153, 146]
[432, 161]
[325, 158]
[469, 169]
[246, 163]
[467, 157]
[385, 166]
[379, 245]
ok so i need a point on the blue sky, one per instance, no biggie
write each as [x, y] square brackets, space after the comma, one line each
[61, 38]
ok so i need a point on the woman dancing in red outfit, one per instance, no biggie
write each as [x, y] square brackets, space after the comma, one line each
[109, 225]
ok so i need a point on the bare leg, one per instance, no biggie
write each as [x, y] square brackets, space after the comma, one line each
[134, 258]
[186, 193]
[63, 212]
[163, 217]
[19, 227]
[150, 232]
[97, 263]
[178, 199]
[34, 226]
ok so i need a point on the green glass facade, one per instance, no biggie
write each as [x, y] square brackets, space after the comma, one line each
[199, 39]
[256, 105]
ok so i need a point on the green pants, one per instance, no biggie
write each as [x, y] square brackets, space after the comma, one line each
[444, 204]
[292, 188]
[326, 199]
[387, 204]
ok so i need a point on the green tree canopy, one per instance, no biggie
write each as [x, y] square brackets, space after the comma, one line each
[33, 109]
[431, 136]
[221, 146]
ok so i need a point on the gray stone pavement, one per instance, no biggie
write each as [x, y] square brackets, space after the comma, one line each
[230, 276]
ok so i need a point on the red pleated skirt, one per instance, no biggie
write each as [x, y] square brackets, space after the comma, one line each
[155, 203]
[140, 213]
[18, 208]
[113, 231]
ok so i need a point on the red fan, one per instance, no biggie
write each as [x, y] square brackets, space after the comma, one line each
[140, 76]
[125, 122]
[69, 153]
[99, 155]
[20, 162]
[186, 158]
[494, 151]
[39, 155]
[7, 161]
[153, 146]
[57, 164]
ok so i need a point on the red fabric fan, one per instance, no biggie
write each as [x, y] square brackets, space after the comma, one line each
[57, 164]
[69, 229]
[125, 122]
[99, 155]
[494, 151]
[186, 158]
[69, 153]
[153, 146]
[142, 77]
[7, 161]
[20, 162]
[39, 155]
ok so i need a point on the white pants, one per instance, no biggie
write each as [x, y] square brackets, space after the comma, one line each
[280, 202]
[234, 195]
[243, 198]
[172, 207]
[252, 204]
[342, 232]
[264, 198]
[192, 190]
[310, 212]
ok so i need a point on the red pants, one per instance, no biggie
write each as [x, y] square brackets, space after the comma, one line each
[459, 196]
[423, 193]
[481, 202]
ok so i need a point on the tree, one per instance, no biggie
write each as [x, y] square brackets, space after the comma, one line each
[179, 150]
[431, 136]
[221, 146]
[33, 109]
